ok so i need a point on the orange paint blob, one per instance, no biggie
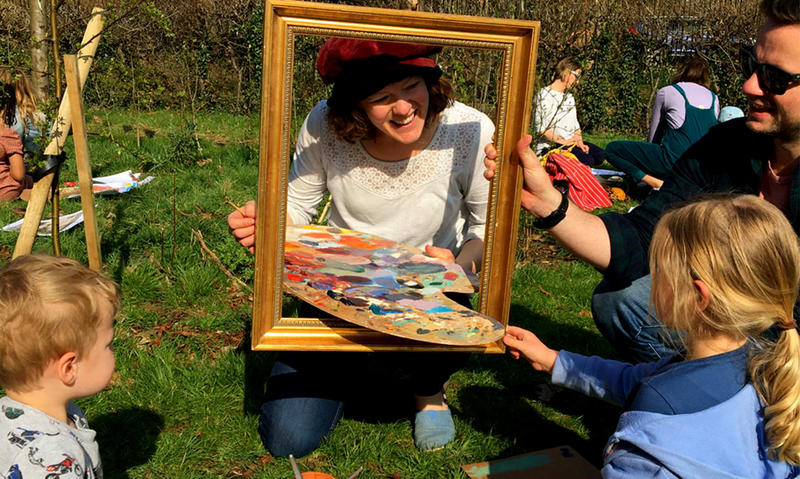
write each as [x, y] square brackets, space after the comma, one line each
[318, 235]
[359, 243]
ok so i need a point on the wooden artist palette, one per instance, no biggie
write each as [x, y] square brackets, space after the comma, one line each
[382, 285]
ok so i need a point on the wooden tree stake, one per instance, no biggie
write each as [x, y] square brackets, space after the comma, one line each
[82, 161]
[58, 133]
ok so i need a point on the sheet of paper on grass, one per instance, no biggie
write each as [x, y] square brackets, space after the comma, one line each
[65, 222]
[557, 463]
[113, 184]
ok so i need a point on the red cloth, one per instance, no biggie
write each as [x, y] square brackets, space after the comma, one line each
[584, 189]
[336, 52]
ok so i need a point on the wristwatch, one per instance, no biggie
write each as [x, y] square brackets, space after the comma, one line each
[556, 216]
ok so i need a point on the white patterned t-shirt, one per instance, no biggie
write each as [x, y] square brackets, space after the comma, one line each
[35, 445]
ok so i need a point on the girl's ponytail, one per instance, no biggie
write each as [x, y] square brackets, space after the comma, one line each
[775, 372]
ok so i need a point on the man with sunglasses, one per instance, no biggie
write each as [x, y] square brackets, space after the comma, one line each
[756, 155]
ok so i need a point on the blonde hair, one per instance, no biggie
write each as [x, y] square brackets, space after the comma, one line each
[48, 306]
[24, 95]
[746, 252]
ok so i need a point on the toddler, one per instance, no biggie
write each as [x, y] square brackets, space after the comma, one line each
[724, 274]
[56, 321]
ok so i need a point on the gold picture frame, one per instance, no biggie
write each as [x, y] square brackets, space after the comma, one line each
[515, 43]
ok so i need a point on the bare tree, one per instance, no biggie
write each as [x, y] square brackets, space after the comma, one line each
[38, 47]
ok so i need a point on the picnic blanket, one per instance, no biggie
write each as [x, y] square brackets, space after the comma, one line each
[583, 188]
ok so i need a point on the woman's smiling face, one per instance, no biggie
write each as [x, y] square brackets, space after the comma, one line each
[398, 110]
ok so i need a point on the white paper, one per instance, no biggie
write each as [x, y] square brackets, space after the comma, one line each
[65, 222]
[118, 183]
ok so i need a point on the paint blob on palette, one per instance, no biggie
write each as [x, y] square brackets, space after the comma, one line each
[382, 285]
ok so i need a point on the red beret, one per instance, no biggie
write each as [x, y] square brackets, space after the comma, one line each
[337, 52]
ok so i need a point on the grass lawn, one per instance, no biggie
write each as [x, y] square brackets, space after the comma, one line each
[185, 397]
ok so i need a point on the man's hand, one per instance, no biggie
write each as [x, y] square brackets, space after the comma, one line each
[242, 225]
[524, 344]
[539, 197]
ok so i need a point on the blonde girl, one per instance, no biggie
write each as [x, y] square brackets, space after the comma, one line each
[725, 274]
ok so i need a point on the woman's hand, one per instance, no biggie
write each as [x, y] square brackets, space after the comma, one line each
[443, 254]
[242, 225]
[525, 344]
[577, 138]
[490, 161]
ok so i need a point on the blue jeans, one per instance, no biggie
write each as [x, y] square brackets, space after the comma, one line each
[621, 315]
[306, 392]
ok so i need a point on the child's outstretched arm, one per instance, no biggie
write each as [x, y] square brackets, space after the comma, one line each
[523, 343]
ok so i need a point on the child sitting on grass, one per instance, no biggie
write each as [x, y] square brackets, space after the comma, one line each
[725, 275]
[14, 181]
[56, 325]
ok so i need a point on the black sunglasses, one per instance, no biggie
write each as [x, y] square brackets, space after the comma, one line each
[771, 78]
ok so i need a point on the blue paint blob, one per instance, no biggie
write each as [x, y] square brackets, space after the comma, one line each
[438, 309]
[321, 284]
[386, 282]
[411, 267]
[308, 242]
[353, 268]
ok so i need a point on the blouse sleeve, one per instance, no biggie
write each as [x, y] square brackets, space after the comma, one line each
[601, 378]
[655, 120]
[573, 114]
[10, 143]
[545, 111]
[477, 195]
[307, 178]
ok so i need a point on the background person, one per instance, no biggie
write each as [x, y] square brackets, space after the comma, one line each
[556, 116]
[27, 119]
[682, 113]
[729, 113]
[756, 155]
[13, 177]
[401, 160]
[725, 274]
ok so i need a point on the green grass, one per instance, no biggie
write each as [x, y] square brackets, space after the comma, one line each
[186, 397]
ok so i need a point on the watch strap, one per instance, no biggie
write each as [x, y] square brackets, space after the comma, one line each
[556, 216]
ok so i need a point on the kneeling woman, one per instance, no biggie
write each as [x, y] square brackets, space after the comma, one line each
[402, 160]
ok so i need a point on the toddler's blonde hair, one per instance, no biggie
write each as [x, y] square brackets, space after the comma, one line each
[48, 306]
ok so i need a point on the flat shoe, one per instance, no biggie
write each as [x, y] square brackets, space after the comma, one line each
[433, 429]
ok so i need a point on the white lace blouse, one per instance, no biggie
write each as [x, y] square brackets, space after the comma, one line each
[437, 197]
